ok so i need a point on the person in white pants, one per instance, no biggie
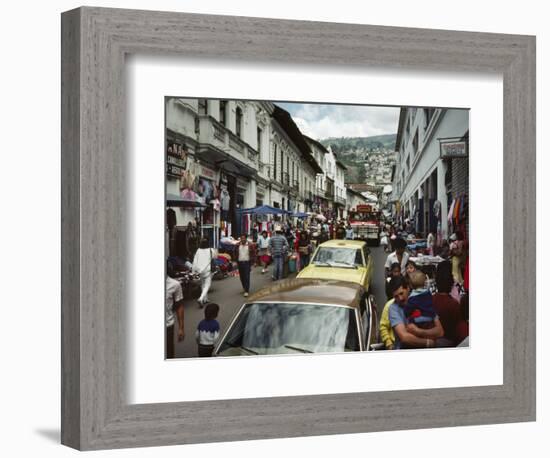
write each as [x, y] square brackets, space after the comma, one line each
[201, 265]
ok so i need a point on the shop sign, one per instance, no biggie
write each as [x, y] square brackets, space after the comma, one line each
[363, 208]
[176, 159]
[453, 149]
[207, 172]
[174, 170]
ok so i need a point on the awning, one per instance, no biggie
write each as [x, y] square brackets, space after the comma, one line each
[173, 200]
[263, 210]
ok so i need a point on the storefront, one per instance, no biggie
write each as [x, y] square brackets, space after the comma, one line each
[208, 193]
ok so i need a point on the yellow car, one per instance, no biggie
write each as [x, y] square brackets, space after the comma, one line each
[347, 260]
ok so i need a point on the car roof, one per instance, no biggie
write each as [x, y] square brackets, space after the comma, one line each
[339, 243]
[312, 291]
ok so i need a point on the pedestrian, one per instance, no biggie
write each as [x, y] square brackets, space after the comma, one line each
[395, 271]
[410, 267]
[444, 250]
[304, 249]
[202, 265]
[419, 309]
[208, 330]
[408, 335]
[349, 232]
[462, 330]
[458, 256]
[445, 305]
[278, 245]
[340, 232]
[173, 308]
[323, 236]
[245, 255]
[263, 250]
[387, 335]
[430, 243]
[384, 240]
[399, 255]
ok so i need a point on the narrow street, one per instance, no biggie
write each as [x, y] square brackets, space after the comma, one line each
[227, 293]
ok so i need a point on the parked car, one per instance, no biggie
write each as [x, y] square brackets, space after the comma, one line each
[348, 260]
[303, 316]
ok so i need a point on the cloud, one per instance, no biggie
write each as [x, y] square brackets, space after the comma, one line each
[323, 121]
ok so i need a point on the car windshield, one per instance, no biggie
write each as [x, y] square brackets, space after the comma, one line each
[283, 328]
[338, 257]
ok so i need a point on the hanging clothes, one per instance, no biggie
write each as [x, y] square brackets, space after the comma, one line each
[456, 211]
[450, 214]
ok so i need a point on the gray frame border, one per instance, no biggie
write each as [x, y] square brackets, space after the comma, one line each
[94, 44]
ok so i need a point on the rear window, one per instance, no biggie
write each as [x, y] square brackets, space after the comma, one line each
[284, 328]
[338, 256]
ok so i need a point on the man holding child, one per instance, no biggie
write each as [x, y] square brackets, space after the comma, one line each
[412, 317]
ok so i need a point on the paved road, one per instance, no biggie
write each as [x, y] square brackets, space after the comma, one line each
[227, 293]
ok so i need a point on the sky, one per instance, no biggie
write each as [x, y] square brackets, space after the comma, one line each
[322, 121]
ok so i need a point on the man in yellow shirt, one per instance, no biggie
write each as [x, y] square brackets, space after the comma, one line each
[386, 331]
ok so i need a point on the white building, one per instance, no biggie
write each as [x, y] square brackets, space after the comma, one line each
[353, 198]
[211, 145]
[422, 176]
[293, 166]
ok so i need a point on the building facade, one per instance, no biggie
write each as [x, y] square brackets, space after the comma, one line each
[223, 156]
[431, 171]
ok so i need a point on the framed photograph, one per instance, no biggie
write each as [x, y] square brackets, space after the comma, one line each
[346, 146]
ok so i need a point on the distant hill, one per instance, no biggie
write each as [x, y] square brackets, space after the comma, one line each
[345, 144]
[354, 152]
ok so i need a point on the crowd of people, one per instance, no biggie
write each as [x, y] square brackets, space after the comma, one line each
[420, 311]
[423, 312]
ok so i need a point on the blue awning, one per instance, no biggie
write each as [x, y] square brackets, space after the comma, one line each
[263, 210]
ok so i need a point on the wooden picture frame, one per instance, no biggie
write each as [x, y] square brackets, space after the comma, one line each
[95, 414]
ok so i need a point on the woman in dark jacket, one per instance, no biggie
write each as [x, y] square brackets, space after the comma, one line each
[304, 248]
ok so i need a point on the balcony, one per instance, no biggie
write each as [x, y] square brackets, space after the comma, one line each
[213, 133]
[320, 192]
[330, 194]
[296, 186]
[340, 200]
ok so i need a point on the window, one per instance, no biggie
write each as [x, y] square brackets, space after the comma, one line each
[223, 108]
[287, 328]
[428, 115]
[203, 107]
[281, 168]
[274, 175]
[415, 143]
[259, 139]
[238, 126]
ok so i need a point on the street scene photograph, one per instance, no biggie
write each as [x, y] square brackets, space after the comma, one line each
[303, 228]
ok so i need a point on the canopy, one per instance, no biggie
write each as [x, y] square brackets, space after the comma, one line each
[173, 200]
[299, 215]
[263, 210]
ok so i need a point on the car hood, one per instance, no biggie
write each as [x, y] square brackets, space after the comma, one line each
[334, 273]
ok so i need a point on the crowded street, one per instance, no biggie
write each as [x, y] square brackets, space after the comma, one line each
[227, 292]
[285, 235]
